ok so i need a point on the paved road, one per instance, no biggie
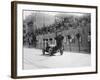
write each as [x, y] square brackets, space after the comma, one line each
[33, 59]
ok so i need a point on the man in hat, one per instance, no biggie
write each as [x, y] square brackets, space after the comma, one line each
[59, 41]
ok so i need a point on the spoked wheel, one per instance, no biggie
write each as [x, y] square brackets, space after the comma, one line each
[43, 52]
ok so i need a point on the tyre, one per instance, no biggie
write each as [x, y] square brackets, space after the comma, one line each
[43, 52]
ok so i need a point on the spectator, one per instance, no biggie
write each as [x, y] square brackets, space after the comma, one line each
[59, 40]
[89, 41]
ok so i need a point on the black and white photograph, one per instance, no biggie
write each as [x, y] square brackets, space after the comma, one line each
[56, 39]
[53, 39]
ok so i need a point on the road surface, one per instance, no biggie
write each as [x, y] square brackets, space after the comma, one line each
[33, 59]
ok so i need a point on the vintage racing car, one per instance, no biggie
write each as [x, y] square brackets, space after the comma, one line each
[52, 49]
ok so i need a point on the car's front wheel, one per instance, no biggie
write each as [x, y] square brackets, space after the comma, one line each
[43, 52]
